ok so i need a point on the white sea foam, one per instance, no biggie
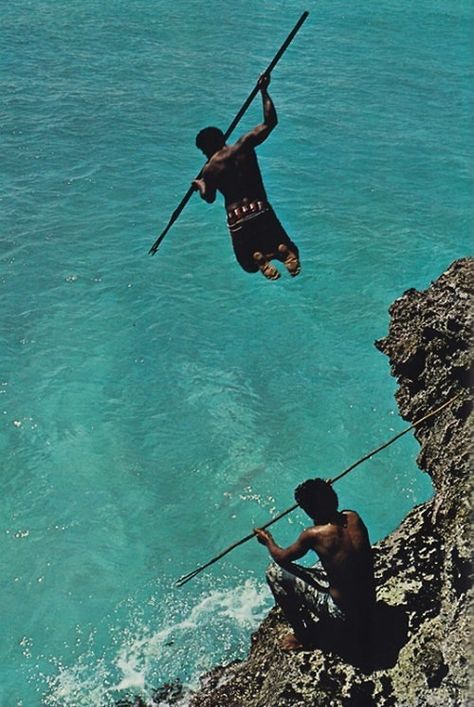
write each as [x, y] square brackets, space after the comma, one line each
[147, 658]
[78, 685]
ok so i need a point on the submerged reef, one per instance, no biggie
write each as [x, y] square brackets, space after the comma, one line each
[419, 641]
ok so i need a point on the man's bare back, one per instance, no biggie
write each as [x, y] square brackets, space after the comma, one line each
[234, 171]
[257, 235]
[345, 591]
[344, 550]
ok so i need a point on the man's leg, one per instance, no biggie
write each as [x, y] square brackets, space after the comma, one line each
[289, 592]
[257, 236]
[280, 244]
[248, 255]
[266, 268]
[289, 258]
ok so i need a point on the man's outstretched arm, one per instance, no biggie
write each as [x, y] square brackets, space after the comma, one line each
[270, 120]
[284, 555]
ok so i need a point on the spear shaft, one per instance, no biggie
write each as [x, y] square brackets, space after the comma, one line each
[230, 129]
[187, 577]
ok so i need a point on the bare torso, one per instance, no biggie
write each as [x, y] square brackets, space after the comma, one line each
[234, 171]
[345, 553]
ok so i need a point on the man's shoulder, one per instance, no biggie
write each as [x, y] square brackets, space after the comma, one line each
[311, 530]
[353, 519]
[244, 144]
[209, 167]
[318, 533]
[349, 513]
[311, 534]
[218, 160]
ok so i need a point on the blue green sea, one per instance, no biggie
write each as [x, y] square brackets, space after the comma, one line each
[155, 409]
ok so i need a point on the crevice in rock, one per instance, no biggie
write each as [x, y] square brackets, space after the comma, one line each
[435, 678]
[462, 569]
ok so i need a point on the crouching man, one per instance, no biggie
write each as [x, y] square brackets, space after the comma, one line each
[341, 588]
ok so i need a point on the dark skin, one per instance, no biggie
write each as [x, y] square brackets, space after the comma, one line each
[233, 170]
[342, 544]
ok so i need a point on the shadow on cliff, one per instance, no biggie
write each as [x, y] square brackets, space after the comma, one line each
[372, 647]
[389, 634]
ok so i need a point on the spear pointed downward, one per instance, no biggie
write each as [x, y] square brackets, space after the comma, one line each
[230, 129]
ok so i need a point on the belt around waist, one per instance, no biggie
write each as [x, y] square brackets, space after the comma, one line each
[246, 211]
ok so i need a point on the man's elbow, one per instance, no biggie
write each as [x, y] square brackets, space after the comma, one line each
[281, 557]
[271, 124]
[263, 131]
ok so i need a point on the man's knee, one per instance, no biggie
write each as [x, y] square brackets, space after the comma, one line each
[249, 267]
[246, 261]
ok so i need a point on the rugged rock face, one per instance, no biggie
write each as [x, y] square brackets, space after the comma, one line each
[420, 635]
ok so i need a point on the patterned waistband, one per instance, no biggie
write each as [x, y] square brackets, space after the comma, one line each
[236, 217]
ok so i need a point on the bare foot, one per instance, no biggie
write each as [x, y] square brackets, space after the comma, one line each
[290, 259]
[266, 268]
[291, 643]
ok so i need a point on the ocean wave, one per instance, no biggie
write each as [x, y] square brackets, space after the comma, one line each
[180, 649]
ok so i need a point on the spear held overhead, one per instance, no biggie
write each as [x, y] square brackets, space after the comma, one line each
[230, 129]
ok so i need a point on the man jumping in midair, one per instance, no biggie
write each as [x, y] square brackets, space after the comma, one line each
[257, 235]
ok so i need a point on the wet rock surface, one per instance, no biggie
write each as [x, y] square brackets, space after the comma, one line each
[418, 647]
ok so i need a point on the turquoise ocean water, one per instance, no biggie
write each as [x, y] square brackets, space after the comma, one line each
[153, 410]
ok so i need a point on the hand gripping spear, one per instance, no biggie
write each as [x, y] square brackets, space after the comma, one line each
[230, 129]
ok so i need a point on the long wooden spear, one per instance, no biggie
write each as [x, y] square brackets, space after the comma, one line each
[230, 129]
[187, 577]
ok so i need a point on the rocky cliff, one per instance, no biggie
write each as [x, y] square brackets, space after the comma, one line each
[419, 641]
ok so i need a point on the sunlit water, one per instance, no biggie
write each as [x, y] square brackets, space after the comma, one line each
[155, 409]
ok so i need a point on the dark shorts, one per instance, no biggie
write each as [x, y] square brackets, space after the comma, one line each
[262, 233]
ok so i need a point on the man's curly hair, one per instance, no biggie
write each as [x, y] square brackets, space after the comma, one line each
[210, 139]
[317, 498]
